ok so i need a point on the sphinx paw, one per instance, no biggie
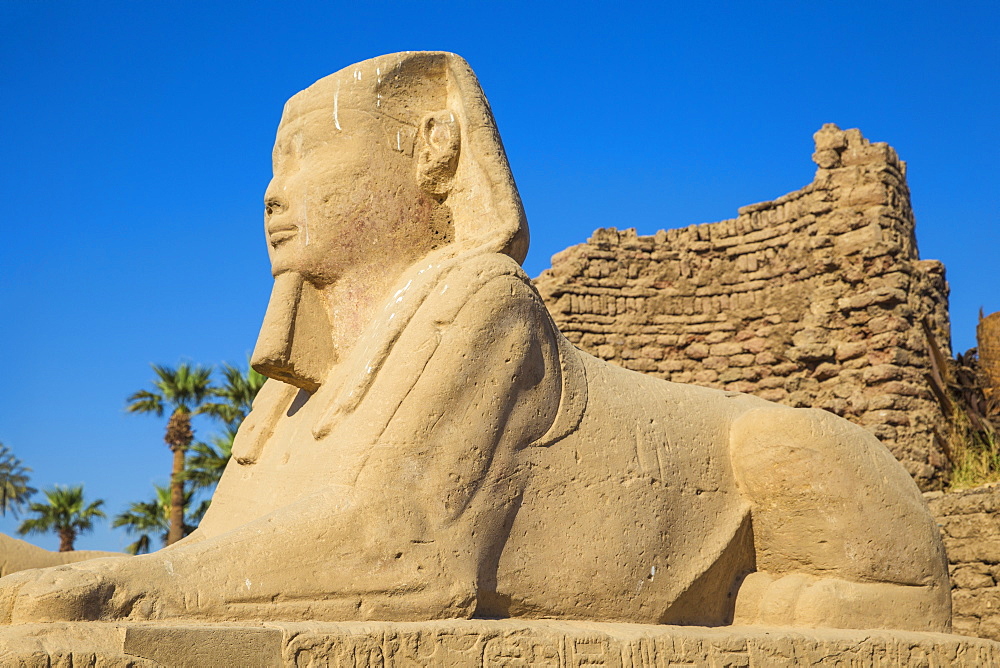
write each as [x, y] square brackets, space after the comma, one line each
[71, 593]
[57, 594]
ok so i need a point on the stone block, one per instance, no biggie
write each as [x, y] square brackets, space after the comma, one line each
[726, 349]
[718, 336]
[830, 137]
[881, 373]
[982, 603]
[479, 643]
[800, 399]
[784, 368]
[966, 625]
[765, 358]
[886, 417]
[607, 352]
[704, 376]
[686, 376]
[989, 627]
[972, 525]
[859, 404]
[885, 432]
[978, 549]
[771, 382]
[826, 370]
[778, 394]
[889, 342]
[732, 375]
[810, 335]
[984, 499]
[826, 159]
[697, 351]
[743, 386]
[835, 405]
[902, 388]
[715, 362]
[855, 364]
[823, 307]
[855, 241]
[880, 296]
[887, 323]
[651, 352]
[971, 577]
[810, 352]
[671, 366]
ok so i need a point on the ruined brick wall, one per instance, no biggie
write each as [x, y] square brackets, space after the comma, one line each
[813, 299]
[970, 527]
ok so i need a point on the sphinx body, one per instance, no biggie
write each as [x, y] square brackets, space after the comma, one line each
[432, 447]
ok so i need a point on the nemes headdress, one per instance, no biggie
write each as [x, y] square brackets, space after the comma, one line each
[487, 216]
[400, 89]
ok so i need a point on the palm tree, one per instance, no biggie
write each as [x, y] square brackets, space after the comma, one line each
[14, 488]
[65, 513]
[152, 518]
[209, 460]
[238, 392]
[183, 390]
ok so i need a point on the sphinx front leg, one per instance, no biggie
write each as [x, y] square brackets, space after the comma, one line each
[328, 557]
[92, 590]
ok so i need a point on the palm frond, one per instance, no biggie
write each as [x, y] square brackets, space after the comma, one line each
[64, 510]
[145, 401]
[225, 412]
[14, 488]
[239, 389]
[208, 460]
[151, 519]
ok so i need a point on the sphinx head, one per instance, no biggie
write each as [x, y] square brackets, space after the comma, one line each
[388, 163]
[385, 162]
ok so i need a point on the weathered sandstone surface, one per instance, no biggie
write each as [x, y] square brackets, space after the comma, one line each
[474, 643]
[970, 527]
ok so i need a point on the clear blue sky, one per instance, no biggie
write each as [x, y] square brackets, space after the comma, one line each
[137, 137]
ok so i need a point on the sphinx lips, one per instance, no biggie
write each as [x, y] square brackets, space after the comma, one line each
[279, 235]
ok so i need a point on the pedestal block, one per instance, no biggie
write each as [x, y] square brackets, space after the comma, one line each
[521, 643]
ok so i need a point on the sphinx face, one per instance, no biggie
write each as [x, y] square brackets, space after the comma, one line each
[341, 200]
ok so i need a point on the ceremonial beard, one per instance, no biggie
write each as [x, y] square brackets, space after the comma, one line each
[295, 344]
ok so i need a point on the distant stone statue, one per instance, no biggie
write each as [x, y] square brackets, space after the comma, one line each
[18, 555]
[430, 446]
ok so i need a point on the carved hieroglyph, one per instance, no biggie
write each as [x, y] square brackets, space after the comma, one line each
[430, 446]
[476, 643]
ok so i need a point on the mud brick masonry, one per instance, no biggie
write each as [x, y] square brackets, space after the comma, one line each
[970, 527]
[813, 299]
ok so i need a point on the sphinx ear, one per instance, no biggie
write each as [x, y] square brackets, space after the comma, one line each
[439, 144]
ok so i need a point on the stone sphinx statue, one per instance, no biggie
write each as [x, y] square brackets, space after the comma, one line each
[429, 446]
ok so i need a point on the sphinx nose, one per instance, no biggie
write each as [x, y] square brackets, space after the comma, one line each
[273, 206]
[274, 202]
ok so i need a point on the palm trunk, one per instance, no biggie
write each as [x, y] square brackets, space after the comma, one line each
[179, 437]
[66, 539]
[176, 498]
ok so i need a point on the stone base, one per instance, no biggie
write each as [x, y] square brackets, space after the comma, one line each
[476, 643]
